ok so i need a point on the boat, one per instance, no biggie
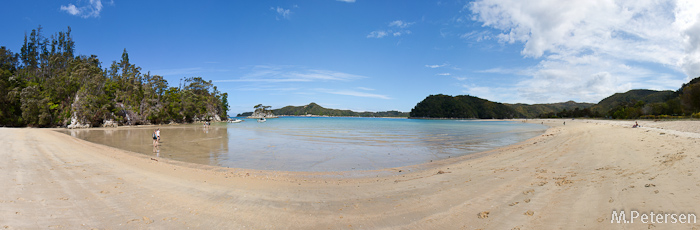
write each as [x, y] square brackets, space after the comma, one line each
[261, 120]
[235, 120]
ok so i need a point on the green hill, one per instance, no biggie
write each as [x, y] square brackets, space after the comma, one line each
[535, 110]
[632, 97]
[317, 110]
[462, 106]
[632, 104]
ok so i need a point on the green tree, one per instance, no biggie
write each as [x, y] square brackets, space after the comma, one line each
[46, 85]
[10, 88]
[690, 98]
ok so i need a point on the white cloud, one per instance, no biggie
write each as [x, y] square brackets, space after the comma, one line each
[326, 75]
[355, 93]
[377, 34]
[557, 81]
[444, 74]
[365, 88]
[436, 66]
[285, 13]
[476, 35]
[348, 1]
[499, 70]
[488, 93]
[280, 74]
[71, 9]
[401, 25]
[591, 49]
[92, 9]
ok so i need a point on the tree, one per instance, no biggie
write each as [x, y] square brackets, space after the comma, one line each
[690, 98]
[46, 85]
[10, 88]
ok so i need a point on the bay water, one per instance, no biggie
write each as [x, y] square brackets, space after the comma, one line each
[317, 143]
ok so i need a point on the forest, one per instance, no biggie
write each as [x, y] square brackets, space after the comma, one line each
[642, 103]
[47, 85]
[462, 106]
[634, 104]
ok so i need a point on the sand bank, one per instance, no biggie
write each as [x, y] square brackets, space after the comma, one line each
[571, 177]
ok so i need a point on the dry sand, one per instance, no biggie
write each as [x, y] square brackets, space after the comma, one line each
[571, 177]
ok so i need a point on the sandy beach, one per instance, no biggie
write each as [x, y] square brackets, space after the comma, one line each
[571, 177]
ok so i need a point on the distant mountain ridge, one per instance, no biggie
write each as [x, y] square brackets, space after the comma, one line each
[638, 103]
[632, 97]
[465, 106]
[534, 110]
[317, 110]
[462, 106]
[633, 104]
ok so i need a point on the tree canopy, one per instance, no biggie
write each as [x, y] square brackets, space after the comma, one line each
[46, 85]
[685, 102]
[462, 106]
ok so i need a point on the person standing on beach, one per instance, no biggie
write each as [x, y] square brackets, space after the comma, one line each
[158, 135]
[155, 139]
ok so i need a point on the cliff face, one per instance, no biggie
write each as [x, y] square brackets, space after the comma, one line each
[262, 114]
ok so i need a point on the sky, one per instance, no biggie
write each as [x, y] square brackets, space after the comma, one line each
[367, 55]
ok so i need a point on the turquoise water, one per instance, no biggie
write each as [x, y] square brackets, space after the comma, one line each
[321, 143]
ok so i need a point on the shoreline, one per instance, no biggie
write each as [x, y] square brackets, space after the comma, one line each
[584, 169]
[340, 172]
[386, 171]
[359, 174]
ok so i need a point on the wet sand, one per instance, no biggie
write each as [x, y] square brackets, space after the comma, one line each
[316, 144]
[571, 177]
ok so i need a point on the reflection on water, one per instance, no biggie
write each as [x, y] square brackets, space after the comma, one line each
[190, 143]
[318, 144]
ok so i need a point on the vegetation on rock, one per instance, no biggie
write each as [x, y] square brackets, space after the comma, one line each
[46, 85]
[262, 111]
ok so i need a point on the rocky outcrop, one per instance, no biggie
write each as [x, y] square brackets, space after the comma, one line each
[110, 124]
[76, 124]
[262, 114]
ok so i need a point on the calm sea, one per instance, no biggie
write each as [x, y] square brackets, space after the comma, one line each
[318, 143]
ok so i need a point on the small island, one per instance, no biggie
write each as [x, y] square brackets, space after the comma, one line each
[262, 112]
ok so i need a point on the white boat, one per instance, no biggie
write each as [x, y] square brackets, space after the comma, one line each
[236, 120]
[261, 120]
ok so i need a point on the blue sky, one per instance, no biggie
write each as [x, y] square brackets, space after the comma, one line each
[384, 55]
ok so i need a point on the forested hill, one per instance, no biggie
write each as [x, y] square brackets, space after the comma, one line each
[315, 109]
[47, 85]
[633, 104]
[632, 97]
[643, 103]
[462, 106]
[535, 110]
